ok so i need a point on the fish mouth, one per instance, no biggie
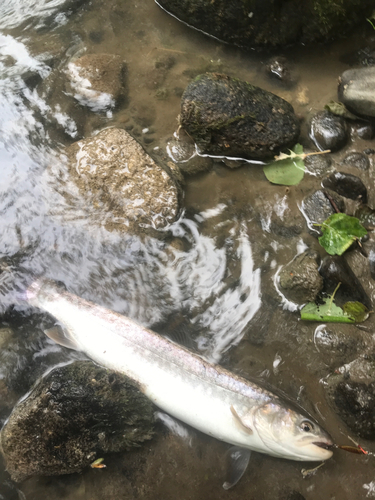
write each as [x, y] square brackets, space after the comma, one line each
[324, 445]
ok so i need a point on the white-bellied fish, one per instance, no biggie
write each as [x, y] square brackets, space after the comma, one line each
[208, 397]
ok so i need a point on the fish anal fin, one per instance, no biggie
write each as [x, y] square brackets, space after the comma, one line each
[239, 422]
[237, 461]
[62, 336]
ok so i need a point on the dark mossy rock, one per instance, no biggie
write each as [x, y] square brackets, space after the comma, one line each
[351, 392]
[328, 131]
[71, 415]
[347, 185]
[300, 280]
[269, 22]
[229, 117]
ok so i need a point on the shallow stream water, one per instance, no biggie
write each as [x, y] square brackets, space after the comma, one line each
[211, 273]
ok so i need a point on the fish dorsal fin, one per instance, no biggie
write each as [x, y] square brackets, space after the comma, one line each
[61, 336]
[239, 422]
[237, 461]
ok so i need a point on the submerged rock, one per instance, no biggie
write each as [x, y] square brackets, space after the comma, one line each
[329, 131]
[363, 130]
[258, 22]
[357, 90]
[229, 117]
[337, 345]
[347, 185]
[122, 180]
[279, 69]
[318, 164]
[335, 270]
[351, 392]
[72, 415]
[98, 80]
[357, 160]
[300, 280]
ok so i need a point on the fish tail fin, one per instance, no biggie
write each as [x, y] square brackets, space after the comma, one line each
[62, 336]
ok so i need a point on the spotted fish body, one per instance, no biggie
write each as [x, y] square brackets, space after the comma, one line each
[205, 396]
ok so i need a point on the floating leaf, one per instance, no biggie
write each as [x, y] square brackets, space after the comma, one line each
[289, 169]
[339, 109]
[339, 232]
[286, 170]
[329, 312]
[356, 310]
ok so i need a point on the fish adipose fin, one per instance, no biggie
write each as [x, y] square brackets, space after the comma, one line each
[61, 336]
[239, 422]
[237, 462]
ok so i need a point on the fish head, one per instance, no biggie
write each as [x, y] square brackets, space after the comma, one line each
[287, 433]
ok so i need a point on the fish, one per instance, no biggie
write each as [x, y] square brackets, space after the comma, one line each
[242, 412]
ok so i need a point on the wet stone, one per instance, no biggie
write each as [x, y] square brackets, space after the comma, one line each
[278, 68]
[98, 80]
[335, 270]
[123, 180]
[329, 131]
[229, 117]
[351, 393]
[318, 164]
[71, 417]
[357, 90]
[347, 185]
[357, 160]
[363, 130]
[300, 280]
[317, 208]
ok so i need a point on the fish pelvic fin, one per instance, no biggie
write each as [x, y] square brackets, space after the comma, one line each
[237, 461]
[62, 336]
[239, 422]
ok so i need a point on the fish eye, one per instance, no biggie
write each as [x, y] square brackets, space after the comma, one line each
[307, 426]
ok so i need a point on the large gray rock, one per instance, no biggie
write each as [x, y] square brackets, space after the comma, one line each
[357, 90]
[123, 182]
[269, 22]
[73, 415]
[230, 117]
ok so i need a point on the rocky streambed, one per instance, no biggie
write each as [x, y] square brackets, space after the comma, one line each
[133, 151]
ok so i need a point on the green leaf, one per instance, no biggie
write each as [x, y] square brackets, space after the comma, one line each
[288, 170]
[339, 232]
[339, 109]
[356, 310]
[328, 312]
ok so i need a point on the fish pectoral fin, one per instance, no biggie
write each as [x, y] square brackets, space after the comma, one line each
[237, 462]
[61, 336]
[239, 422]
